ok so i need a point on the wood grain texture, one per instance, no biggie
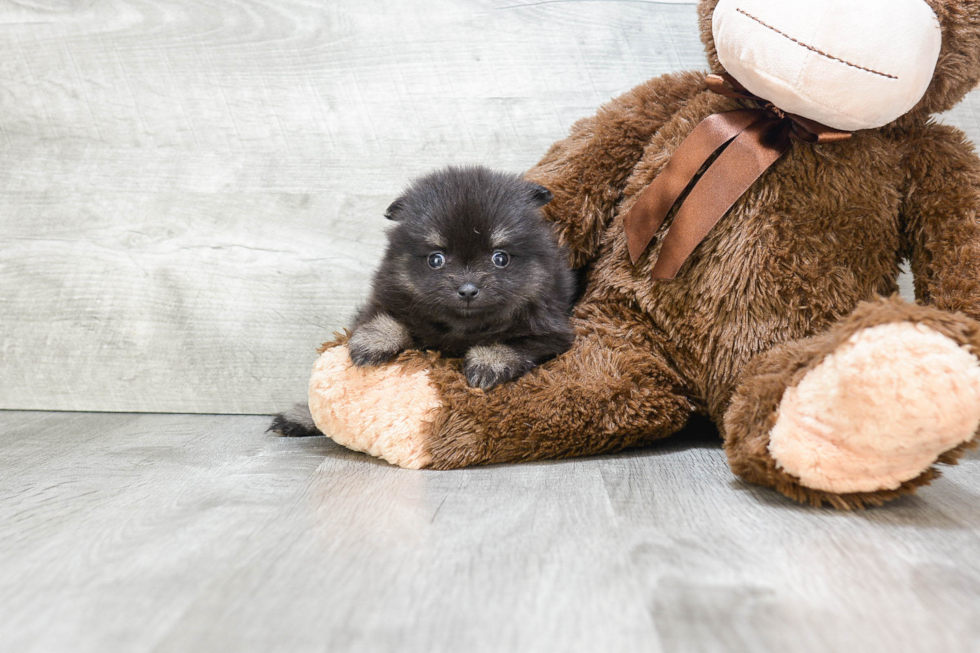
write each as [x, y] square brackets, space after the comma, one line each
[133, 533]
[192, 192]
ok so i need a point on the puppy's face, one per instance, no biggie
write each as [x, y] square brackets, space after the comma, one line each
[470, 245]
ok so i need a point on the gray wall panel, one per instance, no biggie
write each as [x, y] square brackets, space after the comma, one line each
[192, 192]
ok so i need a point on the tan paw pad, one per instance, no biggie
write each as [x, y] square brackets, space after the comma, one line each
[878, 411]
[385, 411]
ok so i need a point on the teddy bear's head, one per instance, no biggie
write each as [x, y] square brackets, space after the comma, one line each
[849, 64]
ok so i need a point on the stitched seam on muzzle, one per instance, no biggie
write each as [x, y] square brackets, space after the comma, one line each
[813, 49]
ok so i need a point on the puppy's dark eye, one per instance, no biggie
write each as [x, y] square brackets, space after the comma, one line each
[436, 260]
[501, 258]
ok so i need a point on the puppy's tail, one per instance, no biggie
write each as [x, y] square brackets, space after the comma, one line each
[295, 422]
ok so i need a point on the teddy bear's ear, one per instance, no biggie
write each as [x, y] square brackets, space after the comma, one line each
[394, 210]
[540, 195]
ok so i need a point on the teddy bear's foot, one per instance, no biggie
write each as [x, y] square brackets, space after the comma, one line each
[859, 414]
[879, 411]
[387, 411]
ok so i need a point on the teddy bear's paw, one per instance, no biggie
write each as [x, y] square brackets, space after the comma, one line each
[878, 411]
[387, 412]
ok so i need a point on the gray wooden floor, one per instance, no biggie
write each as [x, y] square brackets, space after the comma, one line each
[177, 533]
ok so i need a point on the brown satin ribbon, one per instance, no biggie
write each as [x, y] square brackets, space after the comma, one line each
[757, 138]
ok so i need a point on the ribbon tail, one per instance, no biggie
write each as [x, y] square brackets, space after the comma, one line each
[652, 206]
[753, 152]
[728, 86]
[811, 131]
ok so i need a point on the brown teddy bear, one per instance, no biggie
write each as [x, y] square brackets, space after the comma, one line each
[749, 283]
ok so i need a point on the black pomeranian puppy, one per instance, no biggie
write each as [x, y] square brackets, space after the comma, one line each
[472, 270]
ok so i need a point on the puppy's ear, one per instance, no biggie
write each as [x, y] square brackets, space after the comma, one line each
[394, 211]
[540, 195]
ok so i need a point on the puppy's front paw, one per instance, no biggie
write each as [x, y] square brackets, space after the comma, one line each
[378, 341]
[486, 367]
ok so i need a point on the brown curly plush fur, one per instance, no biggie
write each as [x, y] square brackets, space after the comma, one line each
[797, 266]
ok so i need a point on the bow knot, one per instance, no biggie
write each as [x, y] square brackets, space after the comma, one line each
[776, 111]
[802, 129]
[755, 138]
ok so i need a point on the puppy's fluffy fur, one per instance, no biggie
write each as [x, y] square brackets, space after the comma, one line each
[471, 270]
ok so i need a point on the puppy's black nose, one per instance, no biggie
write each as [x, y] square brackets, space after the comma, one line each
[468, 291]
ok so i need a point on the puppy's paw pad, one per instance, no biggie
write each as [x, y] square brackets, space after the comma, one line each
[485, 378]
[489, 366]
[878, 411]
[364, 356]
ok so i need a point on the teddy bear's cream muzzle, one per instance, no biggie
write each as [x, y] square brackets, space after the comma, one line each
[848, 64]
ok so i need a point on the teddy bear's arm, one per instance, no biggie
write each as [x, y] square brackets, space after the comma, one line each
[588, 170]
[942, 214]
[614, 388]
